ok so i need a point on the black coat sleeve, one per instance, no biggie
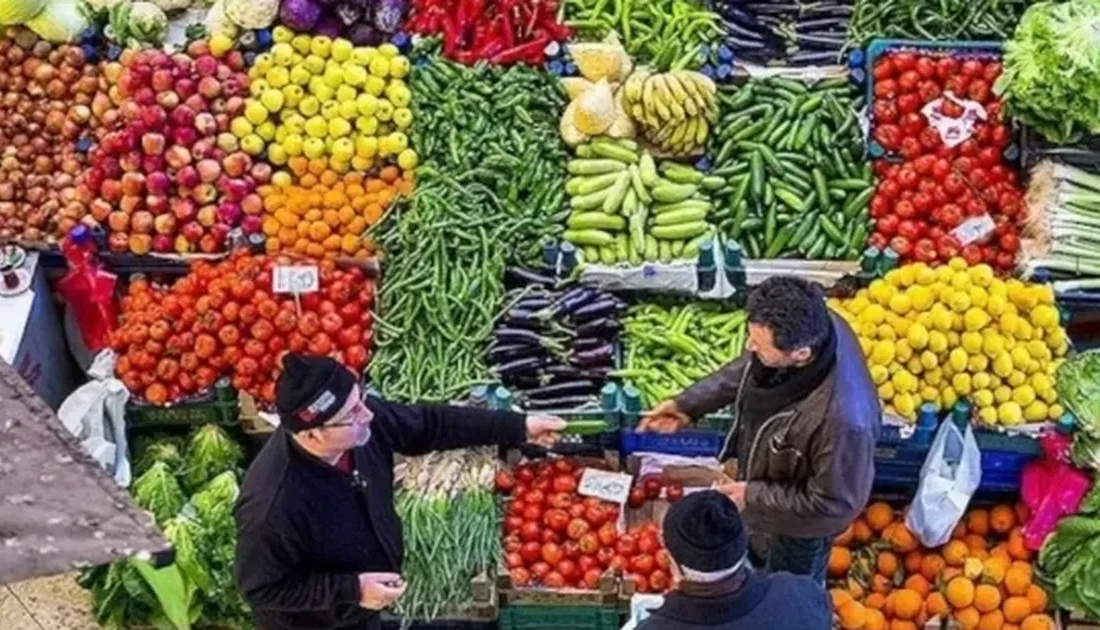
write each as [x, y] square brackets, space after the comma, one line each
[270, 575]
[419, 429]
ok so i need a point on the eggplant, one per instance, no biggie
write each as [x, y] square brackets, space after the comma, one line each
[533, 303]
[528, 277]
[597, 356]
[772, 9]
[503, 354]
[820, 42]
[602, 326]
[557, 373]
[570, 301]
[522, 382]
[833, 9]
[814, 57]
[505, 336]
[821, 24]
[520, 317]
[586, 343]
[564, 388]
[561, 403]
[515, 368]
[606, 306]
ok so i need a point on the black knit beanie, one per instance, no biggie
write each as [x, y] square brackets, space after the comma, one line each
[311, 390]
[703, 531]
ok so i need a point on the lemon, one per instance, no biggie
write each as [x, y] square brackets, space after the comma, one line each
[1036, 411]
[928, 360]
[880, 291]
[975, 319]
[952, 339]
[1039, 351]
[1002, 394]
[1044, 293]
[933, 377]
[957, 264]
[937, 341]
[879, 374]
[883, 353]
[978, 296]
[988, 416]
[972, 342]
[920, 297]
[977, 363]
[960, 281]
[982, 380]
[1016, 379]
[944, 273]
[1024, 330]
[942, 320]
[886, 391]
[341, 49]
[992, 343]
[1002, 364]
[961, 383]
[903, 351]
[996, 305]
[959, 301]
[900, 303]
[981, 275]
[930, 394]
[407, 159]
[982, 397]
[923, 274]
[905, 405]
[1009, 414]
[865, 345]
[1044, 316]
[903, 276]
[948, 397]
[1055, 338]
[958, 359]
[1055, 412]
[873, 314]
[886, 331]
[867, 330]
[1024, 395]
[1020, 357]
[995, 381]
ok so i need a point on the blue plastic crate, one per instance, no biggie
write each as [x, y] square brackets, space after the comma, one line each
[954, 48]
[689, 442]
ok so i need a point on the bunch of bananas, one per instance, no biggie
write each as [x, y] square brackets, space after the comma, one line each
[674, 109]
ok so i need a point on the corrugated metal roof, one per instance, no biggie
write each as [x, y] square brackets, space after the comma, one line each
[58, 510]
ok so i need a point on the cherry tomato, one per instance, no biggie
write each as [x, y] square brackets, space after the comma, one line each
[663, 559]
[536, 496]
[889, 189]
[954, 184]
[950, 215]
[563, 466]
[1001, 135]
[576, 510]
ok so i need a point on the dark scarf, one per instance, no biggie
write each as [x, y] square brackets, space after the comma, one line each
[769, 390]
[713, 604]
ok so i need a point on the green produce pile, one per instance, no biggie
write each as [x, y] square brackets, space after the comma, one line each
[797, 183]
[199, 584]
[665, 34]
[492, 174]
[933, 19]
[451, 529]
[1078, 384]
[1051, 78]
[622, 210]
[1070, 559]
[668, 348]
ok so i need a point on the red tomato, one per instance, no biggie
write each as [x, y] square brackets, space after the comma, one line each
[674, 492]
[926, 67]
[504, 481]
[901, 245]
[930, 139]
[950, 215]
[659, 581]
[512, 524]
[627, 545]
[563, 466]
[607, 534]
[554, 579]
[549, 536]
[652, 487]
[928, 91]
[887, 225]
[539, 570]
[905, 210]
[925, 250]
[1009, 243]
[535, 497]
[1005, 261]
[568, 570]
[911, 147]
[557, 520]
[886, 89]
[647, 543]
[552, 553]
[641, 584]
[953, 184]
[618, 563]
[587, 562]
[972, 253]
[884, 69]
[592, 578]
[884, 112]
[564, 483]
[1001, 135]
[512, 544]
[972, 68]
[532, 513]
[604, 556]
[636, 498]
[979, 90]
[529, 532]
[663, 559]
[946, 67]
[889, 136]
[513, 560]
[572, 549]
[530, 552]
[525, 474]
[907, 178]
[577, 528]
[595, 515]
[559, 500]
[909, 104]
[519, 576]
[576, 510]
[904, 61]
[908, 80]
[969, 147]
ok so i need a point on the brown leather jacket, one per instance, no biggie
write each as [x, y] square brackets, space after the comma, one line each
[810, 466]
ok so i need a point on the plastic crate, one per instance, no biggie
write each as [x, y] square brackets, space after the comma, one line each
[218, 407]
[704, 438]
[958, 49]
[559, 618]
[1085, 153]
[608, 409]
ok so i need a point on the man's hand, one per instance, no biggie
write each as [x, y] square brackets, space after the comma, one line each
[735, 491]
[664, 418]
[544, 430]
[378, 590]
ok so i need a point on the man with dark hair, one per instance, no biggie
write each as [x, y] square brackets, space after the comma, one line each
[715, 585]
[808, 417]
[318, 540]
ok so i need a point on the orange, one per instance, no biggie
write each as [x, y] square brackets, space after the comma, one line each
[845, 537]
[879, 516]
[1037, 597]
[861, 530]
[887, 564]
[1001, 552]
[888, 607]
[987, 598]
[881, 584]
[912, 561]
[876, 601]
[993, 620]
[1016, 609]
[907, 603]
[950, 573]
[902, 624]
[1024, 566]
[839, 597]
[931, 565]
[968, 618]
[936, 605]
[840, 560]
[901, 539]
[1010, 626]
[875, 620]
[919, 584]
[1002, 519]
[994, 569]
[975, 542]
[1016, 547]
[977, 522]
[960, 592]
[955, 552]
[959, 532]
[1038, 622]
[852, 615]
[1017, 581]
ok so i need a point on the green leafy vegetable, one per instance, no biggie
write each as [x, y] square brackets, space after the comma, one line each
[158, 491]
[163, 451]
[1078, 385]
[170, 590]
[183, 533]
[1086, 451]
[214, 502]
[1051, 77]
[209, 453]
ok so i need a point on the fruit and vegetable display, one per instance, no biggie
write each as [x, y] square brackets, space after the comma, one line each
[450, 528]
[222, 320]
[668, 35]
[555, 538]
[943, 20]
[1051, 65]
[786, 33]
[501, 32]
[190, 487]
[881, 577]
[623, 208]
[934, 335]
[555, 348]
[791, 154]
[1063, 226]
[667, 348]
[1067, 560]
[954, 192]
[45, 111]
[319, 97]
[492, 174]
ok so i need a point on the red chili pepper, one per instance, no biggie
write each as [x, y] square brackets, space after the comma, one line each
[483, 34]
[491, 48]
[557, 31]
[465, 57]
[450, 36]
[504, 27]
[531, 51]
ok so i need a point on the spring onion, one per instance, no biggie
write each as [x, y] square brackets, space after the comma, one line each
[1063, 226]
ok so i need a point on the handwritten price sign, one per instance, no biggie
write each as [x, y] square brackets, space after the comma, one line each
[609, 486]
[295, 279]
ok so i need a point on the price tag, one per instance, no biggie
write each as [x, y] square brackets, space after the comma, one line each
[295, 279]
[973, 229]
[953, 131]
[609, 486]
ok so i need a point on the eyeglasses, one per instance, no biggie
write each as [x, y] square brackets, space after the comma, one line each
[347, 423]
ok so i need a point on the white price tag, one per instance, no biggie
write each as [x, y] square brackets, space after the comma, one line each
[973, 229]
[609, 486]
[295, 279]
[954, 131]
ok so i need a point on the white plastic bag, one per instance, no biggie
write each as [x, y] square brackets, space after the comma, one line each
[949, 477]
[96, 414]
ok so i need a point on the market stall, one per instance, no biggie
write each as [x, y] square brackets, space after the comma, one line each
[560, 207]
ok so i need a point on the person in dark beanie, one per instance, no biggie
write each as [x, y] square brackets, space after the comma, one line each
[715, 585]
[318, 540]
[808, 417]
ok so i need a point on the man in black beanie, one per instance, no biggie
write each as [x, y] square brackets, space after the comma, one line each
[715, 584]
[318, 540]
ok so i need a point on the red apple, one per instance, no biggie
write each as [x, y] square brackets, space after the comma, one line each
[141, 222]
[162, 243]
[182, 245]
[118, 242]
[188, 177]
[165, 224]
[192, 232]
[177, 157]
[118, 221]
[156, 204]
[152, 144]
[183, 210]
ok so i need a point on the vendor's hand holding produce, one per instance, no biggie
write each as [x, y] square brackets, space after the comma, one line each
[502, 32]
[919, 204]
[666, 417]
[544, 429]
[623, 210]
[792, 158]
[937, 335]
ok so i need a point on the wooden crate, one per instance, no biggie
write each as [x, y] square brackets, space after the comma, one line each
[606, 595]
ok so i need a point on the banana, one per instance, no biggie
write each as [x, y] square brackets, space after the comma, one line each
[647, 94]
[633, 87]
[687, 79]
[704, 91]
[680, 133]
[680, 93]
[701, 132]
[655, 103]
[663, 95]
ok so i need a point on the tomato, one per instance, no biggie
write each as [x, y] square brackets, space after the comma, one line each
[979, 91]
[659, 581]
[626, 545]
[879, 206]
[641, 584]
[618, 563]
[909, 230]
[529, 532]
[504, 481]
[928, 91]
[559, 501]
[884, 112]
[909, 104]
[589, 543]
[953, 184]
[535, 496]
[976, 207]
[320, 344]
[907, 178]
[972, 68]
[604, 555]
[1009, 243]
[637, 497]
[663, 559]
[887, 225]
[356, 357]
[886, 88]
[648, 543]
[642, 563]
[557, 520]
[542, 484]
[568, 570]
[1005, 261]
[972, 254]
[519, 576]
[607, 534]
[205, 346]
[652, 487]
[168, 370]
[539, 570]
[930, 139]
[513, 560]
[563, 466]
[564, 483]
[572, 549]
[249, 314]
[1001, 135]
[969, 147]
[925, 250]
[904, 61]
[877, 240]
[576, 510]
[889, 136]
[331, 323]
[586, 562]
[549, 536]
[950, 215]
[908, 80]
[551, 553]
[591, 579]
[884, 69]
[512, 544]
[577, 527]
[901, 245]
[905, 210]
[309, 324]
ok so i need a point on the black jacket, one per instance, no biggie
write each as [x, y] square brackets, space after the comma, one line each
[306, 530]
[777, 601]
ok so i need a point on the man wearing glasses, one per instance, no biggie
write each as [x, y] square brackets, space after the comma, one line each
[319, 542]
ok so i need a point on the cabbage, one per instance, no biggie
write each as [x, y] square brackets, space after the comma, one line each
[19, 11]
[1078, 385]
[158, 491]
[214, 502]
[210, 452]
[60, 21]
[165, 451]
[299, 15]
[148, 23]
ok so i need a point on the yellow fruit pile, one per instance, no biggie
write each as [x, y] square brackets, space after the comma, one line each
[318, 97]
[936, 335]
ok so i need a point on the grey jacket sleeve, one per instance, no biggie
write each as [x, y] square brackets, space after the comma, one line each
[715, 391]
